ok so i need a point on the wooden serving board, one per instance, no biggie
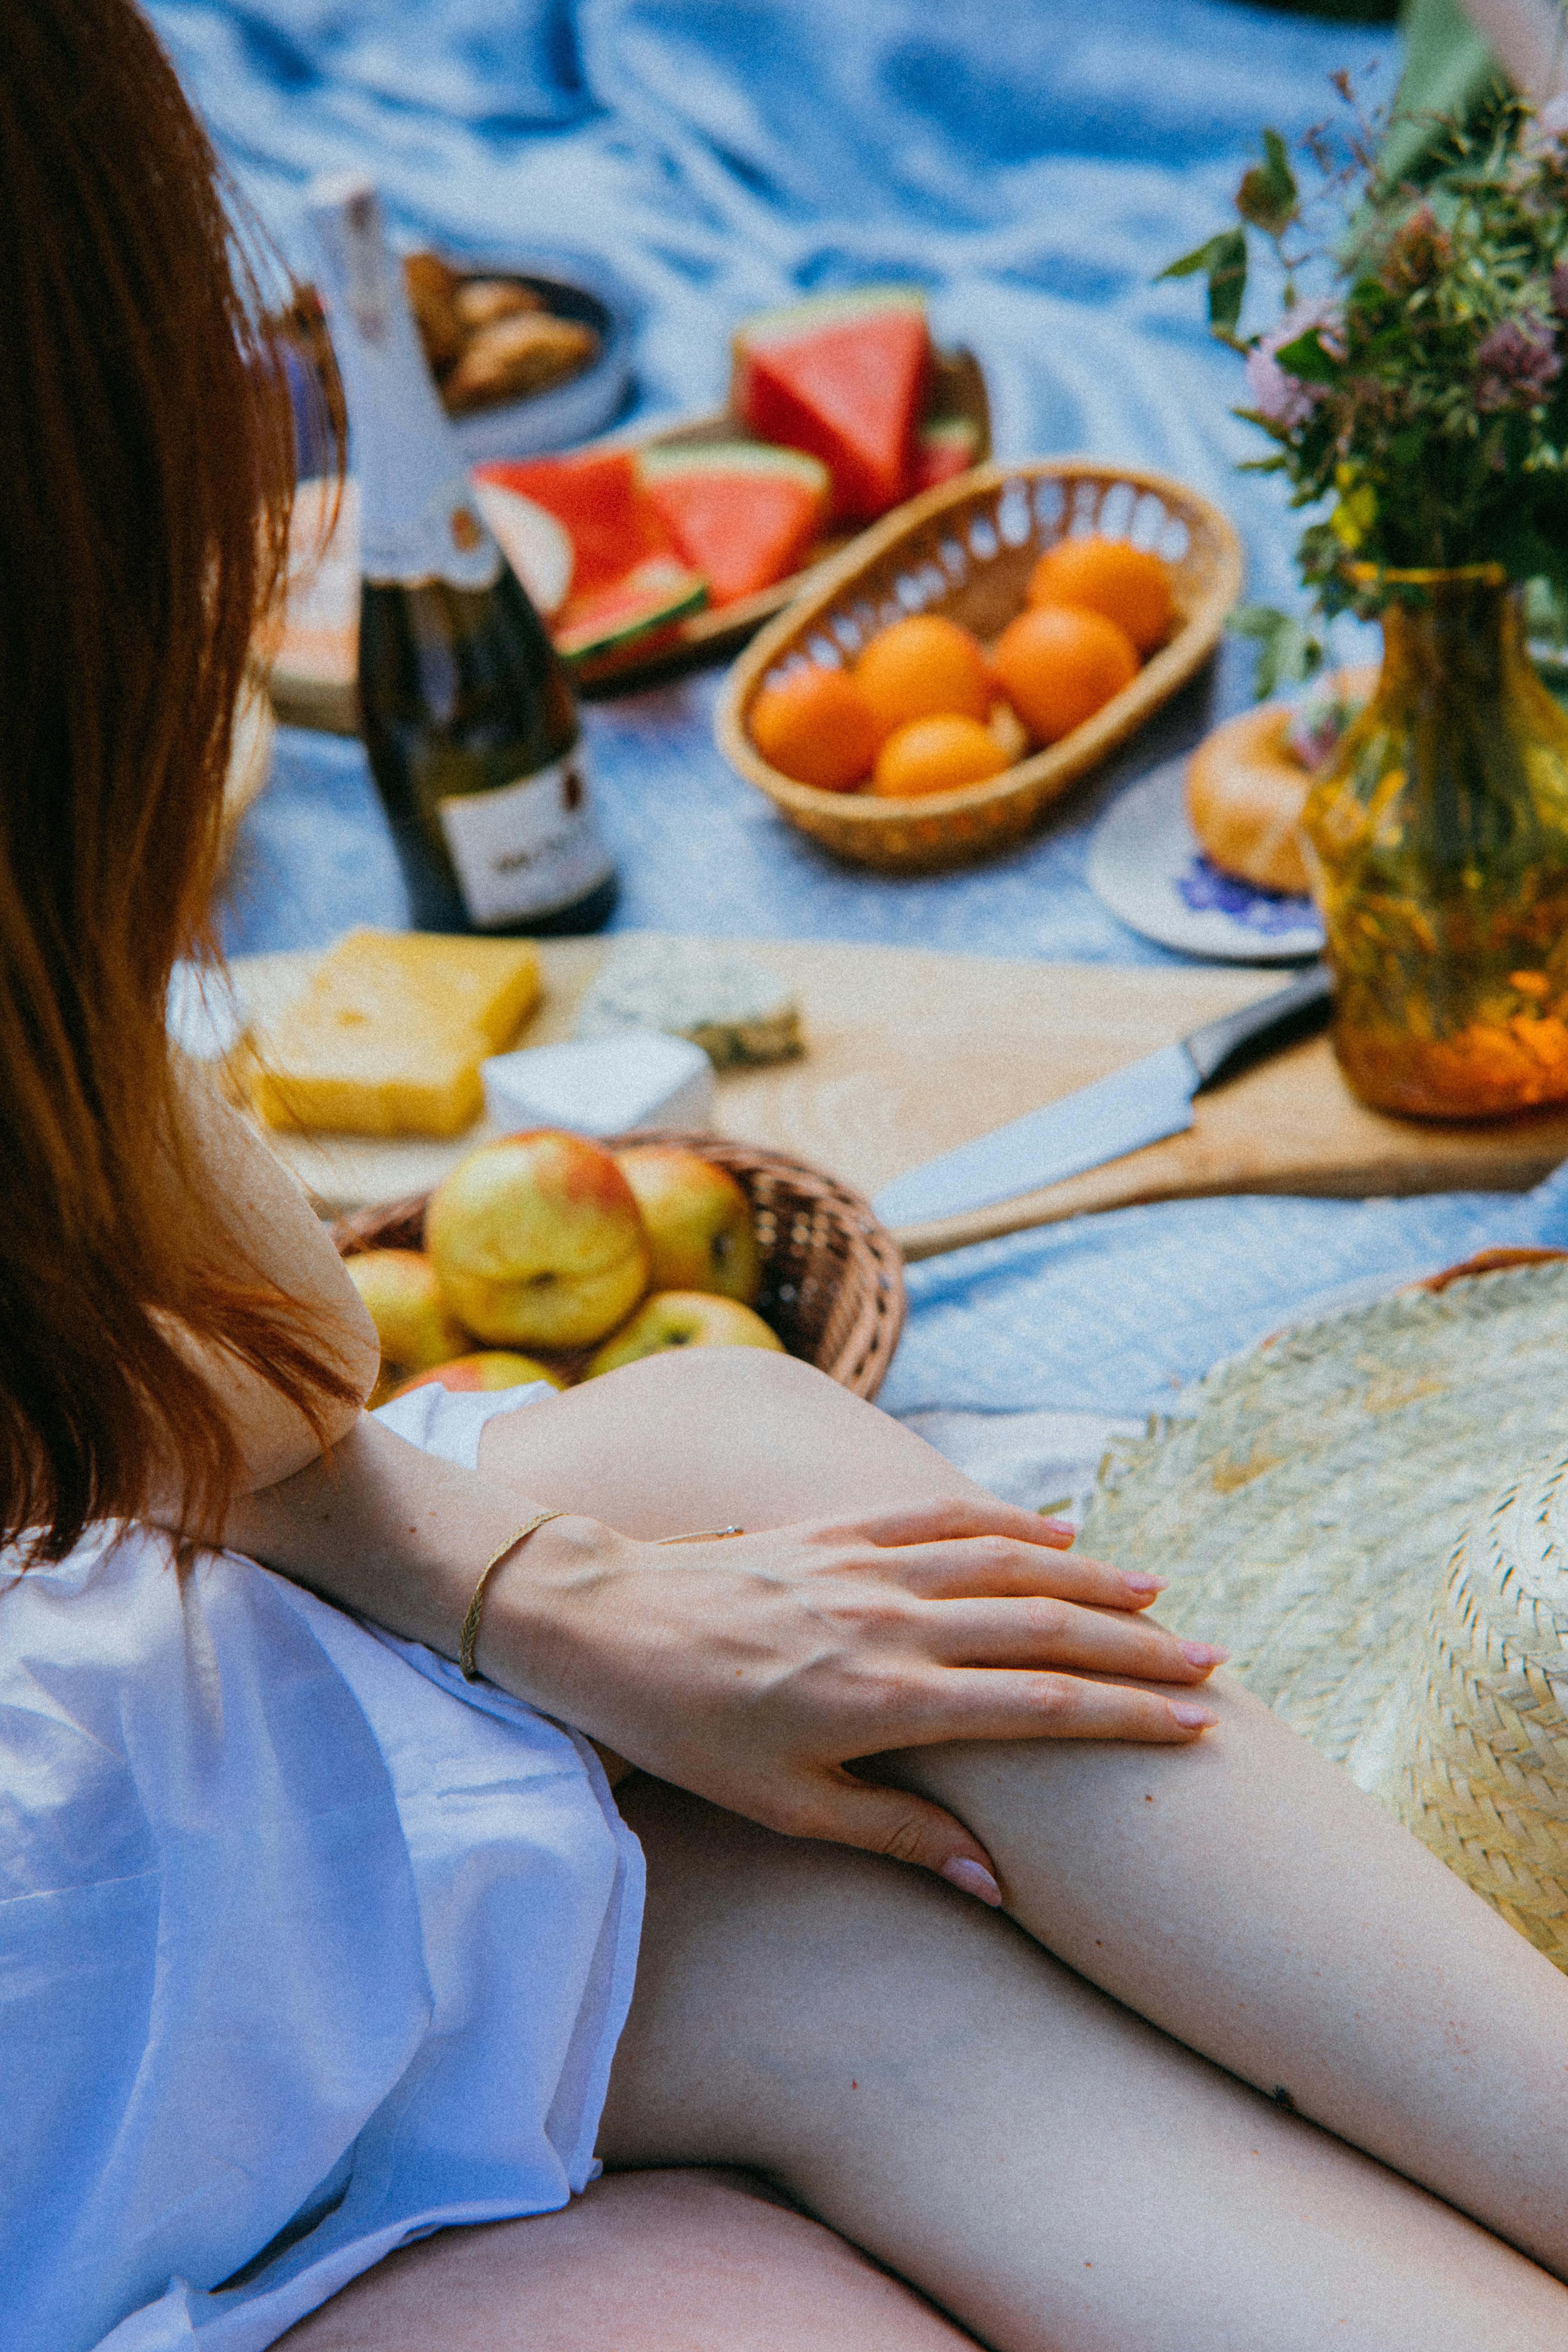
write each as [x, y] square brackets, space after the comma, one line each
[909, 1052]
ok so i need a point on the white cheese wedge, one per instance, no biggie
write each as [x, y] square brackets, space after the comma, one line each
[736, 1010]
[602, 1086]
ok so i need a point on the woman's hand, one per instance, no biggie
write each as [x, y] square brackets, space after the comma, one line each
[754, 1670]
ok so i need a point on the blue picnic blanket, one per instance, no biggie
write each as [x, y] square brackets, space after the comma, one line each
[1034, 163]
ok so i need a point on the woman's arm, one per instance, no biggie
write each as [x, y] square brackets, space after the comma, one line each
[284, 1242]
[748, 1671]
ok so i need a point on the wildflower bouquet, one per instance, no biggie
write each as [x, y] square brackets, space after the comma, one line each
[1426, 398]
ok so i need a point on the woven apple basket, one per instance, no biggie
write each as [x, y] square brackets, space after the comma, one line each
[967, 549]
[833, 1280]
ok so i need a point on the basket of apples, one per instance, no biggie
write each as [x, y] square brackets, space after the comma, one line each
[544, 1255]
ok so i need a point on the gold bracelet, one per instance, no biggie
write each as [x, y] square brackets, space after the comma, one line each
[470, 1632]
[708, 1535]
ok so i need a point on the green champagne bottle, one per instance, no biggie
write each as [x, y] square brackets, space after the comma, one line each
[467, 716]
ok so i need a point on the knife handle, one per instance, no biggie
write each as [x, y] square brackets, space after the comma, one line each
[1222, 1049]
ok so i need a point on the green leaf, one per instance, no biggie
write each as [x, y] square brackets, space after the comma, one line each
[1307, 361]
[1223, 261]
[1287, 653]
[1227, 280]
[1200, 258]
[1267, 194]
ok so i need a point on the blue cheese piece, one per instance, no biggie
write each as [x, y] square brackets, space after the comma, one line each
[736, 1010]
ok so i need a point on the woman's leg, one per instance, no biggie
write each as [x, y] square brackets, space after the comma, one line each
[1058, 2175]
[1241, 1894]
[645, 2262]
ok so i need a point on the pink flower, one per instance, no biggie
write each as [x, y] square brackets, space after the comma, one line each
[1284, 399]
[1418, 252]
[1516, 365]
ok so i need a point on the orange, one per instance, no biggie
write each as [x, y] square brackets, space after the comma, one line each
[1059, 664]
[923, 667]
[936, 755]
[1126, 584]
[815, 727]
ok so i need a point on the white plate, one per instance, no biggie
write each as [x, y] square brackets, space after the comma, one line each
[1145, 865]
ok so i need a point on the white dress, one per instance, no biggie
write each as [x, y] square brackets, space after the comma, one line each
[307, 1946]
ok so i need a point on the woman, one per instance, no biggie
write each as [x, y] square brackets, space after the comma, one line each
[310, 1946]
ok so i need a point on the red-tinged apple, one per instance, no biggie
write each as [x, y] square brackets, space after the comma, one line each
[699, 1222]
[682, 1318]
[403, 1300]
[538, 1241]
[490, 1368]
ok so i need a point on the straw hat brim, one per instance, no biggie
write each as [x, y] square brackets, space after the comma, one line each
[1307, 1502]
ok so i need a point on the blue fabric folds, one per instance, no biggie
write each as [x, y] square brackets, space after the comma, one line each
[1116, 1313]
[1033, 164]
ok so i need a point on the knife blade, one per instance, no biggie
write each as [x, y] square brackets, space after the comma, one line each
[1142, 1104]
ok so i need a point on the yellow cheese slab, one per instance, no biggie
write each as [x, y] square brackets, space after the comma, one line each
[485, 984]
[389, 1037]
[424, 1081]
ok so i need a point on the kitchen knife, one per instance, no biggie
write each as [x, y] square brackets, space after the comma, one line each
[1142, 1104]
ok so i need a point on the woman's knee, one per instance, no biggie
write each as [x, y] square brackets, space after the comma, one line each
[702, 1436]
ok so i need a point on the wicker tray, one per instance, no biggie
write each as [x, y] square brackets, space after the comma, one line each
[967, 549]
[833, 1281]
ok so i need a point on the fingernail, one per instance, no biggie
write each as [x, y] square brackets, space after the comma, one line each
[971, 1878]
[1203, 1654]
[1190, 1718]
[1059, 1528]
[1142, 1583]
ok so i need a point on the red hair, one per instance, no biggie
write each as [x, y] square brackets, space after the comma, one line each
[144, 497]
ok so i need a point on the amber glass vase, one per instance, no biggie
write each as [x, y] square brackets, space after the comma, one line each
[1439, 845]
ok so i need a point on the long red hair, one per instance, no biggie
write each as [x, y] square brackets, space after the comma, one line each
[146, 471]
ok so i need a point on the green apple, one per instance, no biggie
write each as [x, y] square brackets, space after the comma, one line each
[699, 1222]
[403, 1300]
[537, 1241]
[682, 1318]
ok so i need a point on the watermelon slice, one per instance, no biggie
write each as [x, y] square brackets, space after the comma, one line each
[842, 376]
[744, 515]
[945, 448]
[628, 577]
[648, 597]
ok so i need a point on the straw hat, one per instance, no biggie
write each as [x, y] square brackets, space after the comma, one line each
[1479, 1767]
[1308, 1506]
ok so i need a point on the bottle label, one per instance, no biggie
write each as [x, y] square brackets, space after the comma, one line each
[526, 849]
[444, 537]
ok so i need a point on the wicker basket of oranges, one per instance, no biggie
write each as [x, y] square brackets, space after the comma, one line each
[963, 662]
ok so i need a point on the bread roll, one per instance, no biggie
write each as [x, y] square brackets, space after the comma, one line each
[1246, 792]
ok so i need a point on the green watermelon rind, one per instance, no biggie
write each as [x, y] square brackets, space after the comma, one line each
[753, 458]
[638, 612]
[947, 431]
[792, 321]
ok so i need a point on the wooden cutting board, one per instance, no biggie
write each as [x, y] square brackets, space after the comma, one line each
[909, 1052]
